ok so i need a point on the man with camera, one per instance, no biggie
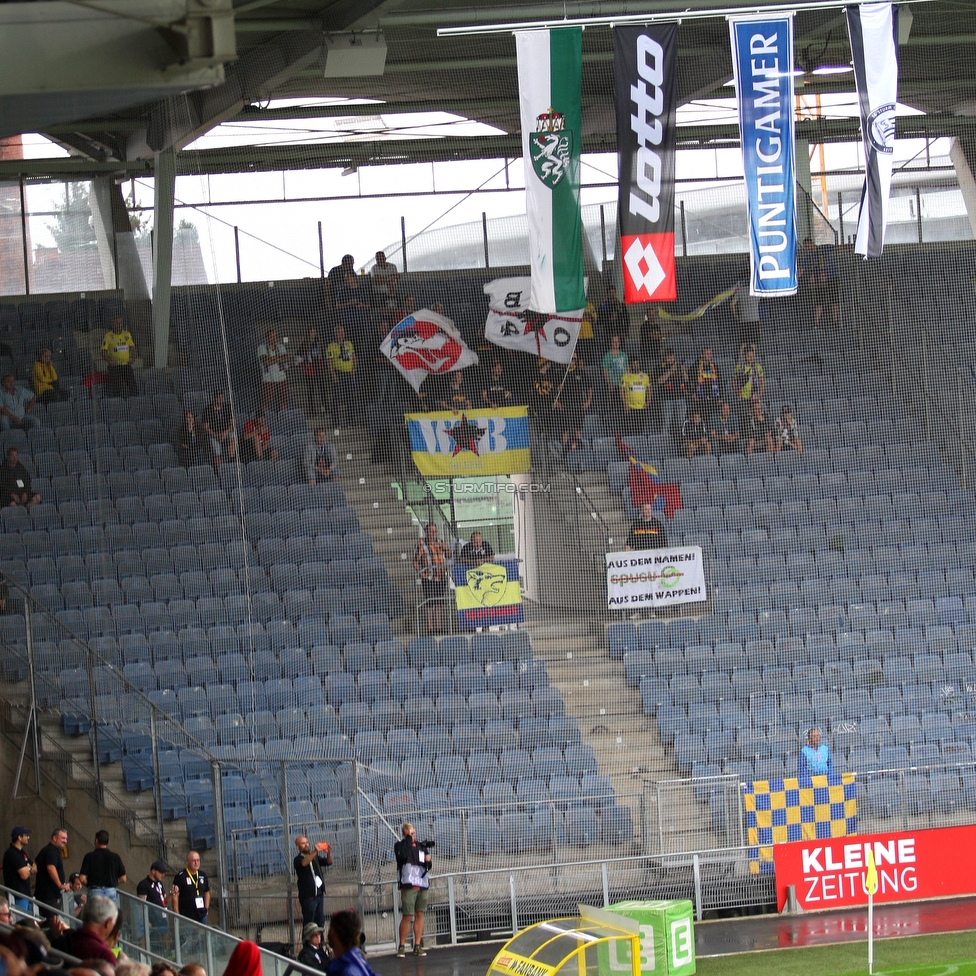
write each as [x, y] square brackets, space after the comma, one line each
[310, 862]
[413, 866]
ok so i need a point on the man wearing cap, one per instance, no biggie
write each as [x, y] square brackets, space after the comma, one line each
[50, 872]
[102, 870]
[313, 954]
[18, 867]
[309, 864]
[151, 891]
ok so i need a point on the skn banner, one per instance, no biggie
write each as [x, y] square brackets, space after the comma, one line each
[762, 60]
[645, 82]
[655, 578]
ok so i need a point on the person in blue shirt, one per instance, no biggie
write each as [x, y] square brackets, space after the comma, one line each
[815, 758]
[344, 938]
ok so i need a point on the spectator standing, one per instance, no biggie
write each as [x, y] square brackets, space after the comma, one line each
[671, 380]
[574, 398]
[611, 317]
[256, 438]
[320, 459]
[413, 866]
[310, 864]
[218, 423]
[152, 891]
[647, 532]
[190, 894]
[118, 351]
[818, 277]
[747, 311]
[192, 444]
[345, 938]
[635, 392]
[496, 392]
[815, 757]
[787, 434]
[273, 357]
[476, 551]
[44, 379]
[92, 940]
[758, 434]
[312, 953]
[18, 867]
[384, 276]
[724, 431]
[51, 879]
[455, 397]
[430, 564]
[102, 870]
[708, 384]
[312, 358]
[341, 360]
[15, 483]
[694, 435]
[16, 403]
[614, 365]
[748, 380]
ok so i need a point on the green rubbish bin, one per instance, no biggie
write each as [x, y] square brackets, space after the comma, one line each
[667, 939]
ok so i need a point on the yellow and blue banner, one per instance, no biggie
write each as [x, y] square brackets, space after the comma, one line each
[806, 808]
[488, 594]
[470, 443]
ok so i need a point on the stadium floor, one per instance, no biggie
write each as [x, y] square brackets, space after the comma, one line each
[732, 935]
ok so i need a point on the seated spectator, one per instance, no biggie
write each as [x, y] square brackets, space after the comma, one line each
[320, 459]
[571, 404]
[273, 357]
[635, 387]
[218, 423]
[694, 435]
[16, 403]
[118, 351]
[724, 431]
[647, 532]
[92, 940]
[748, 381]
[787, 432]
[385, 277]
[614, 365]
[476, 551]
[341, 359]
[496, 392]
[192, 444]
[44, 379]
[15, 483]
[708, 386]
[455, 396]
[257, 440]
[671, 379]
[758, 435]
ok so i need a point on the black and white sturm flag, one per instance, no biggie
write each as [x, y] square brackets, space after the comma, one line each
[874, 43]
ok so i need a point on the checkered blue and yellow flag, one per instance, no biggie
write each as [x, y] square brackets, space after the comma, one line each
[780, 810]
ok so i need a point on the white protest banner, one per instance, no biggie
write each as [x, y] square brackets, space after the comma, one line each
[655, 578]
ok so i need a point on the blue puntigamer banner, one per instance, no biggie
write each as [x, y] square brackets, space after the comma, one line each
[762, 58]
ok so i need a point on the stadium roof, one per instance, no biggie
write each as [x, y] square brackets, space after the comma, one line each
[280, 55]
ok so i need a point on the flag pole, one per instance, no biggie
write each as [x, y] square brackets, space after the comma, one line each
[562, 384]
[871, 884]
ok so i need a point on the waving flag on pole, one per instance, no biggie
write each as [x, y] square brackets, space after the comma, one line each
[512, 324]
[874, 43]
[424, 343]
[550, 70]
[646, 484]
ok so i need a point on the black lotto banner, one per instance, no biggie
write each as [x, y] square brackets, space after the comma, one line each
[645, 72]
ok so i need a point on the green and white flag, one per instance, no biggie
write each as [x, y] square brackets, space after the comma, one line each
[550, 68]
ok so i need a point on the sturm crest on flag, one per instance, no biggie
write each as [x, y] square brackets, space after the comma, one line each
[550, 71]
[512, 324]
[874, 43]
[424, 343]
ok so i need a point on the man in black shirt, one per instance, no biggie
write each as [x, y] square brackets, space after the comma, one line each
[18, 867]
[496, 392]
[647, 532]
[15, 483]
[312, 953]
[190, 894]
[151, 891]
[50, 872]
[477, 551]
[309, 864]
[102, 870]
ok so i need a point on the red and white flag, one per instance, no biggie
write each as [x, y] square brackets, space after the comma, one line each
[424, 343]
